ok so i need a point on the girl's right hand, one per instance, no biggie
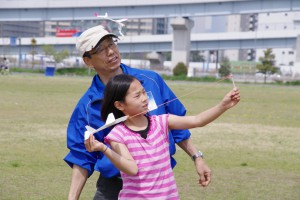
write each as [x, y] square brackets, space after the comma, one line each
[91, 144]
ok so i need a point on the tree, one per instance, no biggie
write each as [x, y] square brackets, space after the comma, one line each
[33, 52]
[197, 56]
[58, 56]
[180, 69]
[225, 67]
[48, 50]
[167, 55]
[267, 64]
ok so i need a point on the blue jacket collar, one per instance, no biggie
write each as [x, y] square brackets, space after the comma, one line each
[97, 88]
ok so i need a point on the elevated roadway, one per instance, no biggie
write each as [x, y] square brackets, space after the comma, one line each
[52, 10]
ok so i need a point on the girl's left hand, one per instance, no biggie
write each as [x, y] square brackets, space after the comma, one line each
[232, 98]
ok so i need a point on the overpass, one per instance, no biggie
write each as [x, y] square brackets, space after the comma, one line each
[54, 10]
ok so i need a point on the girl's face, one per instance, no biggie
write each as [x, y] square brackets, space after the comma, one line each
[136, 100]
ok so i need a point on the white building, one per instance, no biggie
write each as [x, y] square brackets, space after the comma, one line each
[286, 21]
[286, 58]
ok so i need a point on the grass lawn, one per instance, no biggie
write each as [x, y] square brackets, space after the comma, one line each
[253, 149]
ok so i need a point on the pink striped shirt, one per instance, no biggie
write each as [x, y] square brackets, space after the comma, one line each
[155, 178]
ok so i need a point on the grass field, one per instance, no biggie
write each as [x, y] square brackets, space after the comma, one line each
[253, 149]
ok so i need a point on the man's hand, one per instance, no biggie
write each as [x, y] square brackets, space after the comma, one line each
[203, 171]
[201, 167]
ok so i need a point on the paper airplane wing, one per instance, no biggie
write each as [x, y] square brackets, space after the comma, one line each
[116, 121]
[110, 118]
[121, 20]
[90, 130]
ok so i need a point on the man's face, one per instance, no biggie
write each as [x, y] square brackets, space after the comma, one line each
[105, 58]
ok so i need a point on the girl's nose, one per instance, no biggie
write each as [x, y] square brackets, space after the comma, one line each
[145, 97]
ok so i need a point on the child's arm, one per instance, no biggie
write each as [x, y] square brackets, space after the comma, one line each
[118, 155]
[204, 118]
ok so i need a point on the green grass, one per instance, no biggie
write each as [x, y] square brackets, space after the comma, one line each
[253, 149]
[77, 71]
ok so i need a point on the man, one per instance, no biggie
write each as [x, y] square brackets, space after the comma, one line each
[100, 52]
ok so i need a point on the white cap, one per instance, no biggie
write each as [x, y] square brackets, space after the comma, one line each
[90, 38]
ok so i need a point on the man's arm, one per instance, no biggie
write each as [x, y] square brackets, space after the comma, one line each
[79, 177]
[202, 169]
[81, 161]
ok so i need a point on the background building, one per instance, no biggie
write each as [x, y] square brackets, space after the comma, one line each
[279, 21]
[21, 29]
[286, 21]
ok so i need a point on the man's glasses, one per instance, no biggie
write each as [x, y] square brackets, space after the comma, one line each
[101, 49]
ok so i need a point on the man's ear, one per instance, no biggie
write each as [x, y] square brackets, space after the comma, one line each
[119, 105]
[87, 61]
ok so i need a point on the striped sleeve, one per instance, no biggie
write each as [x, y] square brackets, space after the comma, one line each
[115, 135]
[164, 124]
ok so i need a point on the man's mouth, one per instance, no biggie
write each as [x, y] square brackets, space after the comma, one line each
[113, 59]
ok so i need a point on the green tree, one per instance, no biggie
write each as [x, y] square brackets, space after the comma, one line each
[267, 64]
[180, 69]
[167, 55]
[58, 56]
[225, 67]
[33, 52]
[48, 50]
[197, 56]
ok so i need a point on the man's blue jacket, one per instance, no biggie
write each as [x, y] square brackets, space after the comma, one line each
[87, 112]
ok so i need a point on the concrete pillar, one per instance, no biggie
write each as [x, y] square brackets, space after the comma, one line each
[298, 49]
[181, 40]
[156, 60]
[296, 68]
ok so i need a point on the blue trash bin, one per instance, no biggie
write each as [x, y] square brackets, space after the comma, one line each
[50, 68]
[49, 71]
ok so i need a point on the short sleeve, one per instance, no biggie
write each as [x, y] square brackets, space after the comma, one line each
[115, 135]
[162, 121]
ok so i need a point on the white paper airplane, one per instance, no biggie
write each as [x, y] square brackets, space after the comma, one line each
[118, 21]
[109, 122]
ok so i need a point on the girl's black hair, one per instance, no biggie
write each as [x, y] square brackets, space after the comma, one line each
[115, 90]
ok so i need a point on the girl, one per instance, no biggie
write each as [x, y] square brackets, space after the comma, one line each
[140, 144]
